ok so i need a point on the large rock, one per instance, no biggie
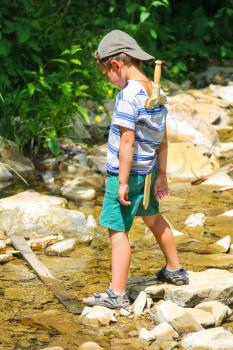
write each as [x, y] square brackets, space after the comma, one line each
[167, 311]
[185, 124]
[209, 339]
[218, 310]
[76, 190]
[224, 92]
[10, 155]
[185, 161]
[202, 287]
[186, 323]
[31, 200]
[31, 214]
[164, 330]
[218, 179]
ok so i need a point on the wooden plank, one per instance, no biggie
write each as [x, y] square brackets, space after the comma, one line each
[71, 303]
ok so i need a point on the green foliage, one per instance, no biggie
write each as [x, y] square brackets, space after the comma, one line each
[48, 64]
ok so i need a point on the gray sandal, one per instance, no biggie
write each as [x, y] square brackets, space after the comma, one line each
[111, 300]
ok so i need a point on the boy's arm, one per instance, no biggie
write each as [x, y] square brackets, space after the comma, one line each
[161, 185]
[126, 151]
[162, 155]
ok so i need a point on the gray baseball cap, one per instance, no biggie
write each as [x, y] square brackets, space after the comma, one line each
[118, 41]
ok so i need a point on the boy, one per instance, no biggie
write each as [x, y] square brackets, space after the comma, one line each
[137, 146]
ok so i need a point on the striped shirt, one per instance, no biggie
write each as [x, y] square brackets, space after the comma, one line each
[148, 125]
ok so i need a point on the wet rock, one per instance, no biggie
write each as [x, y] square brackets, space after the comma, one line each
[73, 190]
[218, 310]
[202, 287]
[187, 162]
[146, 335]
[185, 323]
[4, 258]
[97, 164]
[195, 220]
[225, 243]
[99, 313]
[131, 343]
[218, 179]
[90, 346]
[48, 164]
[62, 248]
[139, 304]
[164, 330]
[4, 173]
[43, 242]
[209, 339]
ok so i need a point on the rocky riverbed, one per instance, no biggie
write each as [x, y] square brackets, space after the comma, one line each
[32, 318]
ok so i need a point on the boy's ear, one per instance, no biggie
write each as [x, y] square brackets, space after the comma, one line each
[116, 64]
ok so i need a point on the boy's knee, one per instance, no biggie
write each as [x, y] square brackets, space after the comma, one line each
[151, 220]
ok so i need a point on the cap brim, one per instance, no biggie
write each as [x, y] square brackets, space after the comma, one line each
[140, 55]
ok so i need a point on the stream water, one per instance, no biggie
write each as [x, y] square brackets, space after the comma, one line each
[32, 318]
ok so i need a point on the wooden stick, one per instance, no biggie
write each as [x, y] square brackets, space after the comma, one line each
[71, 303]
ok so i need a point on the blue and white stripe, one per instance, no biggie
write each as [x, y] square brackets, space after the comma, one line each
[148, 124]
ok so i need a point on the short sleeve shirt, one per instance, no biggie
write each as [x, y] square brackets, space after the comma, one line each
[148, 125]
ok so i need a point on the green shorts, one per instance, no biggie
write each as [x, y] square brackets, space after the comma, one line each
[116, 216]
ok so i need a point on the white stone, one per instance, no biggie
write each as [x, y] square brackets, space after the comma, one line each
[225, 146]
[91, 222]
[124, 312]
[62, 248]
[31, 200]
[218, 310]
[209, 339]
[146, 335]
[218, 179]
[90, 345]
[4, 173]
[176, 233]
[227, 213]
[225, 242]
[164, 330]
[195, 220]
[225, 92]
[202, 287]
[186, 323]
[139, 303]
[42, 242]
[74, 190]
[102, 314]
[4, 258]
[47, 177]
[149, 302]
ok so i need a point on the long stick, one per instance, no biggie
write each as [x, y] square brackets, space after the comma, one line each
[71, 303]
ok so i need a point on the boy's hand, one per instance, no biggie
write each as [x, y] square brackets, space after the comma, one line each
[161, 187]
[123, 191]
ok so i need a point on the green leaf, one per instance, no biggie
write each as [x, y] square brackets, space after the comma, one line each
[75, 61]
[75, 48]
[60, 60]
[31, 89]
[67, 88]
[23, 34]
[153, 33]
[66, 52]
[54, 147]
[144, 16]
[83, 112]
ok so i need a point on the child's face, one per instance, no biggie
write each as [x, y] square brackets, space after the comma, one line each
[115, 74]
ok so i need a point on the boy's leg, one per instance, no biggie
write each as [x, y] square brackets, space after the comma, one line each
[163, 234]
[121, 257]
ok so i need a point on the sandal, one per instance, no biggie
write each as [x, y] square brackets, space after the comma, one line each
[178, 277]
[110, 300]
